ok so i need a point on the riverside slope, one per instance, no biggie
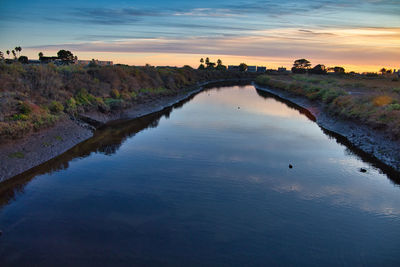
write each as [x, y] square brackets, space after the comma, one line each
[373, 144]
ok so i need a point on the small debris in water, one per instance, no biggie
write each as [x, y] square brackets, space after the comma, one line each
[238, 107]
[363, 170]
[290, 166]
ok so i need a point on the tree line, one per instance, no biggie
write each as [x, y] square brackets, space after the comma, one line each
[65, 56]
[304, 66]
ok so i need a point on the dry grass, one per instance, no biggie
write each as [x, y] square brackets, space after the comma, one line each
[34, 97]
[371, 101]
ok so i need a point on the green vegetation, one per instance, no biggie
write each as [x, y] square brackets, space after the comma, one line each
[17, 155]
[33, 97]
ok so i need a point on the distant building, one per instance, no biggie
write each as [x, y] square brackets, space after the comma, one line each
[282, 69]
[95, 61]
[261, 69]
[34, 61]
[252, 69]
[233, 68]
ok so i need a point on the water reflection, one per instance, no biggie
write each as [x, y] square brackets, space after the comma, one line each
[209, 185]
[391, 173]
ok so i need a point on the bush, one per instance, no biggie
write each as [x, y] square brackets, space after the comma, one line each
[263, 80]
[25, 108]
[392, 107]
[115, 93]
[56, 107]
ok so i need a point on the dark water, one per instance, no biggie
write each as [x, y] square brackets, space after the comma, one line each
[207, 183]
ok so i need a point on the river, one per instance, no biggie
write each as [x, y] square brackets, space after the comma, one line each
[205, 183]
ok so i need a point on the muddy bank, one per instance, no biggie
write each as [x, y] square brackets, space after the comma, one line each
[21, 155]
[373, 143]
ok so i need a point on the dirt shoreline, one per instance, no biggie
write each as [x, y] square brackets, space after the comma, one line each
[377, 144]
[21, 155]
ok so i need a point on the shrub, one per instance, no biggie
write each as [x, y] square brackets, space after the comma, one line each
[25, 108]
[71, 104]
[115, 93]
[394, 106]
[263, 80]
[56, 107]
[382, 100]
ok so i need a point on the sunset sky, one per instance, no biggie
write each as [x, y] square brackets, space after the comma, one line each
[360, 35]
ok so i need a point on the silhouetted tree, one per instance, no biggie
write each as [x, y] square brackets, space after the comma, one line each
[23, 59]
[18, 49]
[201, 67]
[1, 56]
[383, 71]
[8, 53]
[14, 54]
[337, 70]
[220, 66]
[242, 67]
[301, 66]
[40, 54]
[66, 56]
[318, 69]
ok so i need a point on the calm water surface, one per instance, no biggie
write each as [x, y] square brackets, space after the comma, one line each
[207, 183]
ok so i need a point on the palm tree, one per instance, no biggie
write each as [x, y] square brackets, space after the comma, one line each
[1, 56]
[18, 49]
[14, 54]
[383, 71]
[201, 60]
[8, 53]
[219, 62]
[40, 54]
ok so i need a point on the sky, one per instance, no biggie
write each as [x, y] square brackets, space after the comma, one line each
[362, 35]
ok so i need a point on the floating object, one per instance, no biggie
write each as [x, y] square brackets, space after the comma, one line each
[238, 107]
[290, 166]
[363, 170]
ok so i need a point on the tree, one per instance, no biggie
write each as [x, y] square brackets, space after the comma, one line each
[301, 66]
[8, 53]
[18, 49]
[66, 56]
[383, 71]
[207, 61]
[14, 54]
[220, 66]
[23, 59]
[40, 54]
[210, 65]
[318, 69]
[337, 70]
[201, 67]
[242, 67]
[1, 56]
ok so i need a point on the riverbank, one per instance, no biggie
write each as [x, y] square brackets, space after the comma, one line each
[377, 143]
[18, 156]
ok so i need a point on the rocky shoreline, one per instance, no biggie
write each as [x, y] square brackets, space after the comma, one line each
[373, 144]
[21, 155]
